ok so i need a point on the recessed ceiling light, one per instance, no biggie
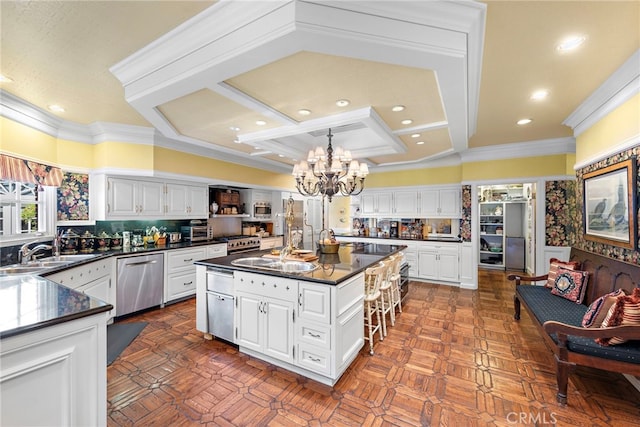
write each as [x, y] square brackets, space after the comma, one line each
[406, 121]
[280, 155]
[234, 128]
[304, 112]
[419, 142]
[415, 135]
[397, 108]
[261, 122]
[56, 108]
[524, 121]
[570, 43]
[539, 95]
[342, 102]
[5, 79]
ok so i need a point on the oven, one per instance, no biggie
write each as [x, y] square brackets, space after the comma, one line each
[239, 244]
[197, 233]
[262, 210]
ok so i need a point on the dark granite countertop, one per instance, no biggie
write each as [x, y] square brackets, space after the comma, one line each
[428, 239]
[351, 259]
[31, 302]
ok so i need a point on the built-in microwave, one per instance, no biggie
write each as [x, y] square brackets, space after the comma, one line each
[262, 210]
[197, 233]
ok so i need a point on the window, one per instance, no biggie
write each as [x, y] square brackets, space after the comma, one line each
[26, 210]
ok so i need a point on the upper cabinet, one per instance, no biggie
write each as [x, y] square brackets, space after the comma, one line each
[441, 202]
[437, 202]
[133, 198]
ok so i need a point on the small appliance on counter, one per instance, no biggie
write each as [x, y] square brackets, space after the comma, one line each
[175, 237]
[197, 233]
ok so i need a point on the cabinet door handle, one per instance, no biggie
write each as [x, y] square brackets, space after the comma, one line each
[314, 335]
[313, 359]
[188, 260]
[188, 283]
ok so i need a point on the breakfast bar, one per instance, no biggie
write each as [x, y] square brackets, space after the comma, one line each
[304, 316]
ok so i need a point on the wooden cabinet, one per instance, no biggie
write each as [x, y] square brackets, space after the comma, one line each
[443, 203]
[439, 261]
[128, 198]
[94, 279]
[186, 201]
[264, 314]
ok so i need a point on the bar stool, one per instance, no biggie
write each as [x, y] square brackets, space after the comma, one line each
[386, 296]
[372, 281]
[395, 282]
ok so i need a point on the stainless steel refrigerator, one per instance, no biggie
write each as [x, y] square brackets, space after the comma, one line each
[514, 255]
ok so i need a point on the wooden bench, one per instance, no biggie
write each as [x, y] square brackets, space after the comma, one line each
[559, 320]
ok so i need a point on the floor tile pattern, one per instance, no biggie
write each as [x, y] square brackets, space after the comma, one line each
[454, 358]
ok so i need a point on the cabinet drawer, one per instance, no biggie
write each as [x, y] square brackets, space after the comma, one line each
[184, 258]
[215, 251]
[314, 359]
[83, 274]
[269, 286]
[180, 284]
[314, 334]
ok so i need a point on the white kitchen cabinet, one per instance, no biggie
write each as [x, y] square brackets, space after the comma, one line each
[439, 261]
[313, 329]
[186, 201]
[265, 314]
[405, 204]
[376, 203]
[441, 202]
[271, 242]
[94, 279]
[56, 376]
[217, 250]
[127, 198]
[181, 272]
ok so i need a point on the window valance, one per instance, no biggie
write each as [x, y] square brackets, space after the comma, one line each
[15, 169]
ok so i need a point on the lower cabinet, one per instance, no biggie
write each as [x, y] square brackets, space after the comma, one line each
[181, 272]
[439, 261]
[56, 376]
[94, 279]
[310, 328]
[265, 314]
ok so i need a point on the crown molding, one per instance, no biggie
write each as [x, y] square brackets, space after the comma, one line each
[23, 112]
[621, 86]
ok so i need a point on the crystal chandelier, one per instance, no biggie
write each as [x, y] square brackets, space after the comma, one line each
[344, 176]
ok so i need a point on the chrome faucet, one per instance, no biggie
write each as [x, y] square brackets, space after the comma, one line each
[25, 253]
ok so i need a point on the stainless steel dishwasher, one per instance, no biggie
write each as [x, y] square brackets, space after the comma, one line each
[220, 303]
[140, 283]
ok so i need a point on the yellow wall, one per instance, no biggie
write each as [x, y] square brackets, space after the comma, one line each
[426, 176]
[620, 125]
[559, 164]
[22, 141]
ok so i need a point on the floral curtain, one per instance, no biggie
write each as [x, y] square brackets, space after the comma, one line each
[15, 169]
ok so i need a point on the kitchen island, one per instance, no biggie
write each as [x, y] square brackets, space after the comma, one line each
[311, 323]
[53, 357]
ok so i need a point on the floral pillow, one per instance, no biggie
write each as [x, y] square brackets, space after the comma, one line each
[570, 284]
[625, 311]
[599, 308]
[554, 264]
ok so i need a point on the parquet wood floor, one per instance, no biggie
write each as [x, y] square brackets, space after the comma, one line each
[454, 358]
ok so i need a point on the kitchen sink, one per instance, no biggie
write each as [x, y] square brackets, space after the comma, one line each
[67, 258]
[20, 269]
[274, 265]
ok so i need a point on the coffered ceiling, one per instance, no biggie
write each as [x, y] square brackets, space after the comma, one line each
[230, 79]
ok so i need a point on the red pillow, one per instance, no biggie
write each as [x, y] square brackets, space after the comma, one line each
[570, 284]
[554, 264]
[625, 311]
[599, 309]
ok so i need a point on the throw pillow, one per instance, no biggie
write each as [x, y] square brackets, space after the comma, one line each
[554, 264]
[599, 308]
[625, 311]
[570, 284]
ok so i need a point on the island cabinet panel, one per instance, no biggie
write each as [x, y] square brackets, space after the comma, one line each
[265, 314]
[314, 302]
